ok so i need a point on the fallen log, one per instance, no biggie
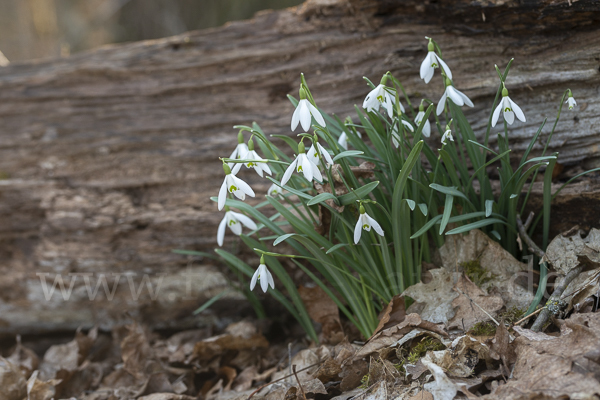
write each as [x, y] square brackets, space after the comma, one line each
[108, 157]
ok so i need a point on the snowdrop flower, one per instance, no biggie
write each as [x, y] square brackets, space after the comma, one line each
[234, 221]
[396, 139]
[457, 97]
[365, 222]
[447, 135]
[313, 155]
[235, 185]
[262, 274]
[419, 118]
[303, 113]
[381, 96]
[431, 62]
[343, 141]
[571, 100]
[259, 166]
[275, 191]
[509, 109]
[240, 152]
[304, 165]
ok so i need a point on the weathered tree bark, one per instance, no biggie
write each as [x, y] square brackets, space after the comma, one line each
[108, 157]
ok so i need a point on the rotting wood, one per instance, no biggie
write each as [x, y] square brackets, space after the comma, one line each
[109, 156]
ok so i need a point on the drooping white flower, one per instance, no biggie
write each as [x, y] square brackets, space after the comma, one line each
[419, 118]
[240, 152]
[571, 100]
[396, 139]
[509, 109]
[457, 97]
[343, 141]
[304, 165]
[275, 191]
[314, 156]
[431, 62]
[303, 113]
[258, 166]
[447, 135]
[381, 96]
[234, 221]
[265, 277]
[235, 185]
[365, 222]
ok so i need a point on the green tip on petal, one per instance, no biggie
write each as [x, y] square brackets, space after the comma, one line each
[250, 144]
[302, 93]
[240, 137]
[430, 46]
[301, 148]
[504, 92]
[226, 169]
[262, 259]
[362, 209]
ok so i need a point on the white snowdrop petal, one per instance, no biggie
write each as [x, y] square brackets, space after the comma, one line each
[288, 172]
[316, 114]
[517, 110]
[444, 66]
[496, 114]
[246, 221]
[454, 96]
[222, 195]
[375, 225]
[357, 231]
[221, 231]
[441, 104]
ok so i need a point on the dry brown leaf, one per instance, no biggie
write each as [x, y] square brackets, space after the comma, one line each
[12, 382]
[422, 395]
[495, 261]
[460, 359]
[136, 351]
[467, 313]
[24, 358]
[393, 314]
[244, 380]
[39, 390]
[323, 310]
[556, 366]
[567, 251]
[239, 336]
[391, 336]
[501, 348]
[433, 300]
[167, 396]
[352, 374]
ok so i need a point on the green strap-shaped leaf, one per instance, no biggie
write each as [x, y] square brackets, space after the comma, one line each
[349, 153]
[358, 194]
[321, 198]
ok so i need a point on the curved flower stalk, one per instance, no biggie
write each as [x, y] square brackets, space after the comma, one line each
[258, 166]
[303, 113]
[262, 274]
[234, 221]
[457, 97]
[313, 155]
[396, 139]
[509, 109]
[571, 100]
[304, 165]
[240, 152]
[431, 62]
[275, 191]
[419, 118]
[234, 185]
[365, 222]
[381, 96]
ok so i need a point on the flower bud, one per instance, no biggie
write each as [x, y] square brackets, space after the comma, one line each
[302, 93]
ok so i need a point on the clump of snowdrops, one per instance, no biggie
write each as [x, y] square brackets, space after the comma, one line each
[361, 203]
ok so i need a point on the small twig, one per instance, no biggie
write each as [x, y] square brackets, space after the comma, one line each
[560, 288]
[473, 301]
[298, 380]
[528, 316]
[528, 221]
[525, 237]
[280, 379]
